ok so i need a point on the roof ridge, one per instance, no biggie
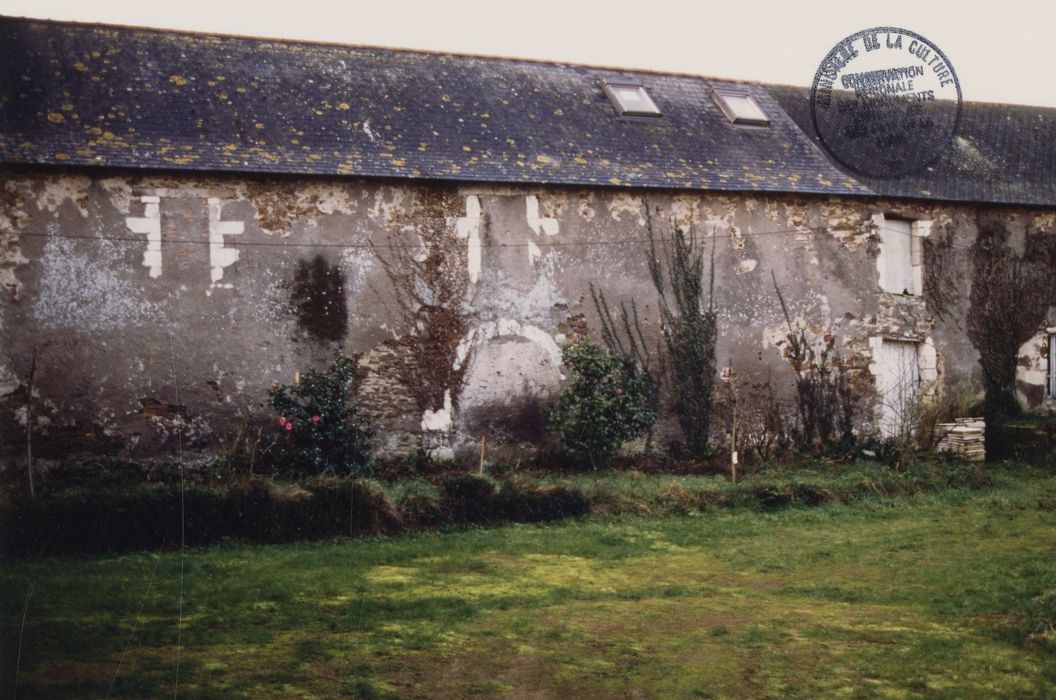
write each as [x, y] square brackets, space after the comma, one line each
[374, 47]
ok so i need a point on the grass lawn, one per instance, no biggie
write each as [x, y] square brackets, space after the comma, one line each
[880, 598]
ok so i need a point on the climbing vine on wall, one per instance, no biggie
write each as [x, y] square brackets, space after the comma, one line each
[941, 259]
[429, 274]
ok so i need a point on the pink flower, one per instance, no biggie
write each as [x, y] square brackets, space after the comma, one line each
[315, 419]
[282, 420]
[289, 426]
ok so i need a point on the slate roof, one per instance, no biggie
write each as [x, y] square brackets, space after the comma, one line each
[94, 95]
[113, 96]
[1001, 154]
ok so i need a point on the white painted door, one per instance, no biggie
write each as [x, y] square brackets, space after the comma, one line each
[896, 252]
[898, 381]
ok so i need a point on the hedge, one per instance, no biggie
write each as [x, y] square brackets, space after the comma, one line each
[150, 517]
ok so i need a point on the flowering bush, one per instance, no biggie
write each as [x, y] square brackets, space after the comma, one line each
[604, 404]
[320, 430]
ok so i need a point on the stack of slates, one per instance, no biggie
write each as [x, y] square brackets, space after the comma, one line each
[965, 437]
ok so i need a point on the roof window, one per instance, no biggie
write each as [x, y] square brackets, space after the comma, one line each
[631, 100]
[740, 107]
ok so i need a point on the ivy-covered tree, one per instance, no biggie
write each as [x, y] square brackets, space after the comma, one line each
[1011, 295]
[690, 326]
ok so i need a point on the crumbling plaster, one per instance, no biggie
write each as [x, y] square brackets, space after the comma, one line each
[200, 303]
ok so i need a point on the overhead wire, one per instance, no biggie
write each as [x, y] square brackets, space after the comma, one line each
[235, 243]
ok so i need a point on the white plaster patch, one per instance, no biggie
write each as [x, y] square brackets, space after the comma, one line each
[508, 369]
[540, 224]
[809, 306]
[507, 326]
[12, 219]
[533, 305]
[10, 258]
[736, 238]
[150, 225]
[466, 225]
[220, 256]
[440, 419]
[388, 203]
[684, 212]
[119, 191]
[928, 360]
[468, 228]
[1045, 221]
[67, 188]
[623, 203]
[714, 226]
[329, 198]
[1032, 368]
[797, 216]
[533, 253]
[776, 336]
[771, 210]
[746, 266]
[360, 262]
[585, 210]
[84, 291]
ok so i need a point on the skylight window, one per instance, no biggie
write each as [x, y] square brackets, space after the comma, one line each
[631, 100]
[740, 107]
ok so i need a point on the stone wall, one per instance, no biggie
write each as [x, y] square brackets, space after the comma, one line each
[195, 294]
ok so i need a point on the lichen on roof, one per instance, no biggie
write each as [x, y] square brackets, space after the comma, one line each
[152, 99]
[99, 96]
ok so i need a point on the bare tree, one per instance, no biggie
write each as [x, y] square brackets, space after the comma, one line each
[28, 377]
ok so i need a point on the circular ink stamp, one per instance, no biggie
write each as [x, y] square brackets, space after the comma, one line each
[885, 102]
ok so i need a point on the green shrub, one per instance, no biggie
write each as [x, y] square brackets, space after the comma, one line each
[604, 404]
[320, 429]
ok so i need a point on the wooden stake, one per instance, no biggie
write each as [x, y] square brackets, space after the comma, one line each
[733, 447]
[481, 470]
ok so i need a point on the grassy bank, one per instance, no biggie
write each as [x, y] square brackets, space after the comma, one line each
[94, 518]
[924, 596]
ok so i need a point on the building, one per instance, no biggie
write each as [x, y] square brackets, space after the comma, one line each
[186, 219]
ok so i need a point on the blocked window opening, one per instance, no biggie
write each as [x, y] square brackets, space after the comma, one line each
[631, 100]
[898, 383]
[740, 107]
[901, 260]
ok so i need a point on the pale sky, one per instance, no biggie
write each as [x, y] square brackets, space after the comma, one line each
[1002, 51]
